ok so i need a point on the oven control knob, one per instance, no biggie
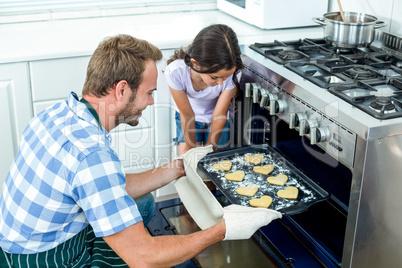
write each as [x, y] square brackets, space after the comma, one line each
[251, 89]
[319, 134]
[265, 97]
[247, 90]
[255, 88]
[276, 106]
[295, 119]
[306, 125]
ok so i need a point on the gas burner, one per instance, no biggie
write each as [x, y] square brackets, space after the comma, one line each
[359, 73]
[334, 63]
[341, 51]
[382, 104]
[291, 55]
[393, 60]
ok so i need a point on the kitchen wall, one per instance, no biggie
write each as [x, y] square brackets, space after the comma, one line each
[386, 10]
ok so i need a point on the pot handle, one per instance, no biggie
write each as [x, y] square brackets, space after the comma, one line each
[320, 21]
[379, 24]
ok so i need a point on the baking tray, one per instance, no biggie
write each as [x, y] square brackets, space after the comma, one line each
[309, 191]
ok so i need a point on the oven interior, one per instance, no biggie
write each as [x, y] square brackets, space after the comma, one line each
[172, 218]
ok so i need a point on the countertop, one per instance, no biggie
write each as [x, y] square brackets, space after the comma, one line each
[79, 37]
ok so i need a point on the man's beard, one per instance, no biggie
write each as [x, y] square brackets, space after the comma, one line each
[126, 116]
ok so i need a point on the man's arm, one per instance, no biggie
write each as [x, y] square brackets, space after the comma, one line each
[142, 183]
[139, 249]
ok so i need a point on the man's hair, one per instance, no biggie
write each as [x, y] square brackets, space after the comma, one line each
[117, 58]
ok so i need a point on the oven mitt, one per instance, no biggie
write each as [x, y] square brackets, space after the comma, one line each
[242, 222]
[195, 155]
[200, 203]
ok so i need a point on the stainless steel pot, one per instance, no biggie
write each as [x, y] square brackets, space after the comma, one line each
[358, 30]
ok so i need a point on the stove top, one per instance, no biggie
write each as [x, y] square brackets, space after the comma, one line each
[369, 78]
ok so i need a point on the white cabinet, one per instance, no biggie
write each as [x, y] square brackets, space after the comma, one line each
[54, 79]
[15, 111]
[163, 123]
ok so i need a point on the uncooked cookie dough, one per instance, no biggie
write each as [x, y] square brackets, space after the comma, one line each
[263, 169]
[238, 175]
[290, 192]
[250, 190]
[255, 159]
[280, 179]
[263, 202]
[224, 165]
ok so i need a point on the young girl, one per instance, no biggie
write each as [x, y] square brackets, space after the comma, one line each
[203, 81]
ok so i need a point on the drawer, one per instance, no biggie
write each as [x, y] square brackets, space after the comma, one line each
[135, 148]
[56, 78]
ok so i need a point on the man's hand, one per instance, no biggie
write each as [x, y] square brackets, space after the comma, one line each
[242, 222]
[177, 166]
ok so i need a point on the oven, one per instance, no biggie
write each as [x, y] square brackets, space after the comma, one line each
[335, 115]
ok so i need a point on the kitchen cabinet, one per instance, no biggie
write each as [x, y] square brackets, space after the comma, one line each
[15, 111]
[54, 79]
[164, 123]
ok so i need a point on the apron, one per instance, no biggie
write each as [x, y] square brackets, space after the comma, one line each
[82, 250]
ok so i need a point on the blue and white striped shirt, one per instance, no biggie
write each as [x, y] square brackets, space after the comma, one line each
[64, 177]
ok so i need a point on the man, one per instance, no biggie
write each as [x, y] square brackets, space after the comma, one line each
[67, 201]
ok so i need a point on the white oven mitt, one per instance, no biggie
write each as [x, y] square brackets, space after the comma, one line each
[193, 156]
[200, 203]
[241, 222]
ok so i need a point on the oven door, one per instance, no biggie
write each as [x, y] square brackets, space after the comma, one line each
[271, 246]
[321, 229]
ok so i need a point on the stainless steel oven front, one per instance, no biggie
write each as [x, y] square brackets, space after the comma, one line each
[354, 155]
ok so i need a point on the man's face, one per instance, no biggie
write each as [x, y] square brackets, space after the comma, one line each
[132, 112]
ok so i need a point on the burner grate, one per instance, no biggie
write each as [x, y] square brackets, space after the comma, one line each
[380, 99]
[361, 76]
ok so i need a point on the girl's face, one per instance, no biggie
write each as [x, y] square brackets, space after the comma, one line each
[213, 79]
[217, 78]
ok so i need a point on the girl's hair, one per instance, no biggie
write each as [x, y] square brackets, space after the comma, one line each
[117, 58]
[214, 48]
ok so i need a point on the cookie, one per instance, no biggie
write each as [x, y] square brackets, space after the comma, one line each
[263, 169]
[280, 179]
[290, 192]
[250, 190]
[238, 175]
[255, 159]
[263, 202]
[224, 165]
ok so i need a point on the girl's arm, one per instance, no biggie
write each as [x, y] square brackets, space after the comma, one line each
[219, 116]
[187, 117]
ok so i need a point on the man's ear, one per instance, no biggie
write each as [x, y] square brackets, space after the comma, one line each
[121, 90]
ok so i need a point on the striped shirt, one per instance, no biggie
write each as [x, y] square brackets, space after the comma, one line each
[64, 177]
